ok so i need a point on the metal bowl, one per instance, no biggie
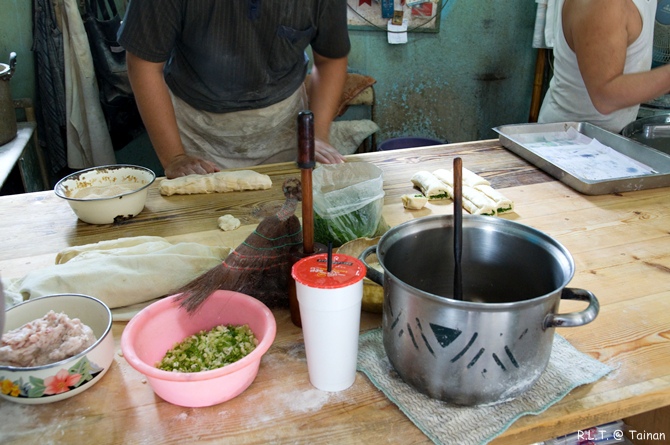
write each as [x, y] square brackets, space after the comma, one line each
[652, 131]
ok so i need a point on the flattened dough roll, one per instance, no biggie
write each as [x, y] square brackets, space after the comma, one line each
[470, 178]
[477, 203]
[414, 201]
[503, 204]
[431, 187]
[446, 176]
[219, 182]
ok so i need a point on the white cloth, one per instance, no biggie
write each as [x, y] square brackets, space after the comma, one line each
[121, 272]
[567, 99]
[88, 141]
[242, 138]
[347, 136]
[545, 23]
[540, 24]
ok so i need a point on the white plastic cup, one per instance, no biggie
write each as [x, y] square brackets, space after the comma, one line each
[330, 311]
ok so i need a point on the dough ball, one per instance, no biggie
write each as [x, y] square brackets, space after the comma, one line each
[228, 223]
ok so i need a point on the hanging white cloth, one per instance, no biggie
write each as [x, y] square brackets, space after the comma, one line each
[88, 140]
[545, 23]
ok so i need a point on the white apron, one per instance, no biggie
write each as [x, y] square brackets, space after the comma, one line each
[242, 138]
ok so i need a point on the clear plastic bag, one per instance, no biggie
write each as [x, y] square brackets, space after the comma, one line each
[348, 200]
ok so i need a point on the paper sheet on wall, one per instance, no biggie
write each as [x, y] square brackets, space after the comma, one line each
[397, 34]
[421, 15]
[583, 156]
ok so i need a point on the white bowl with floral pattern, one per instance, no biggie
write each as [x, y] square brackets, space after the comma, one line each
[68, 377]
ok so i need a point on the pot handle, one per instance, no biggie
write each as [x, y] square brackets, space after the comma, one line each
[372, 273]
[12, 66]
[575, 318]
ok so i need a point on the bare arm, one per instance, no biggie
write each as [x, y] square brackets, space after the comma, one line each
[599, 32]
[327, 81]
[155, 106]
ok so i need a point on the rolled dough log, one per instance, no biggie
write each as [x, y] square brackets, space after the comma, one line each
[219, 182]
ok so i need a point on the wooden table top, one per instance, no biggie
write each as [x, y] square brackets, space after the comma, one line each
[621, 247]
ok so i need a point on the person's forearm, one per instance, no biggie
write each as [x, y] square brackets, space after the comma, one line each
[600, 33]
[327, 82]
[155, 107]
[631, 89]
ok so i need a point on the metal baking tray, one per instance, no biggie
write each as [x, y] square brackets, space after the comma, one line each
[509, 136]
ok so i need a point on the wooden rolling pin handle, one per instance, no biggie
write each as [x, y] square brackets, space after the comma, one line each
[306, 163]
[306, 140]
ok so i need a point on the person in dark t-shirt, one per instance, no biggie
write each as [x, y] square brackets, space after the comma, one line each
[219, 84]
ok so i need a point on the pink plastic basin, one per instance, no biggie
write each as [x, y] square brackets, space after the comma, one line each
[155, 330]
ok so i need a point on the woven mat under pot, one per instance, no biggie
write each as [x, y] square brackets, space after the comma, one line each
[445, 423]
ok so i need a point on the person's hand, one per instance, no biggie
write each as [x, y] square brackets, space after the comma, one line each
[183, 165]
[326, 153]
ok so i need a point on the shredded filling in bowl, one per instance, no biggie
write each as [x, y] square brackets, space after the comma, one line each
[209, 350]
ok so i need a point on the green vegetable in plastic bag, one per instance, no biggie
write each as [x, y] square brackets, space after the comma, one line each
[348, 200]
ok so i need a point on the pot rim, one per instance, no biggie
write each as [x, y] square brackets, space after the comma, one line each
[478, 221]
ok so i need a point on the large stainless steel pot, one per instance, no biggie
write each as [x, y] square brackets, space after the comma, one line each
[496, 342]
[8, 126]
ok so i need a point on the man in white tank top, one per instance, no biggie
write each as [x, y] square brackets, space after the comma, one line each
[602, 61]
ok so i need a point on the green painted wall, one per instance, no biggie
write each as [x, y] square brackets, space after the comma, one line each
[16, 34]
[474, 74]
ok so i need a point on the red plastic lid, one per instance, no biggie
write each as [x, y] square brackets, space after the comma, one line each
[312, 271]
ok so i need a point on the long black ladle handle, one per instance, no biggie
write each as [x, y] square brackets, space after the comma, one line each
[458, 227]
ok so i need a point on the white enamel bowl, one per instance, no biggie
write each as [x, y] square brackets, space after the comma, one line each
[119, 192]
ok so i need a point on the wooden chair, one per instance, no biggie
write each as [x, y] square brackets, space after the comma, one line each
[366, 98]
[358, 91]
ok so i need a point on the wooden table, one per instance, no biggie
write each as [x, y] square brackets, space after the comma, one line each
[621, 247]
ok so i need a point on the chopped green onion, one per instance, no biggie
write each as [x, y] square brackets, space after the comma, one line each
[209, 350]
